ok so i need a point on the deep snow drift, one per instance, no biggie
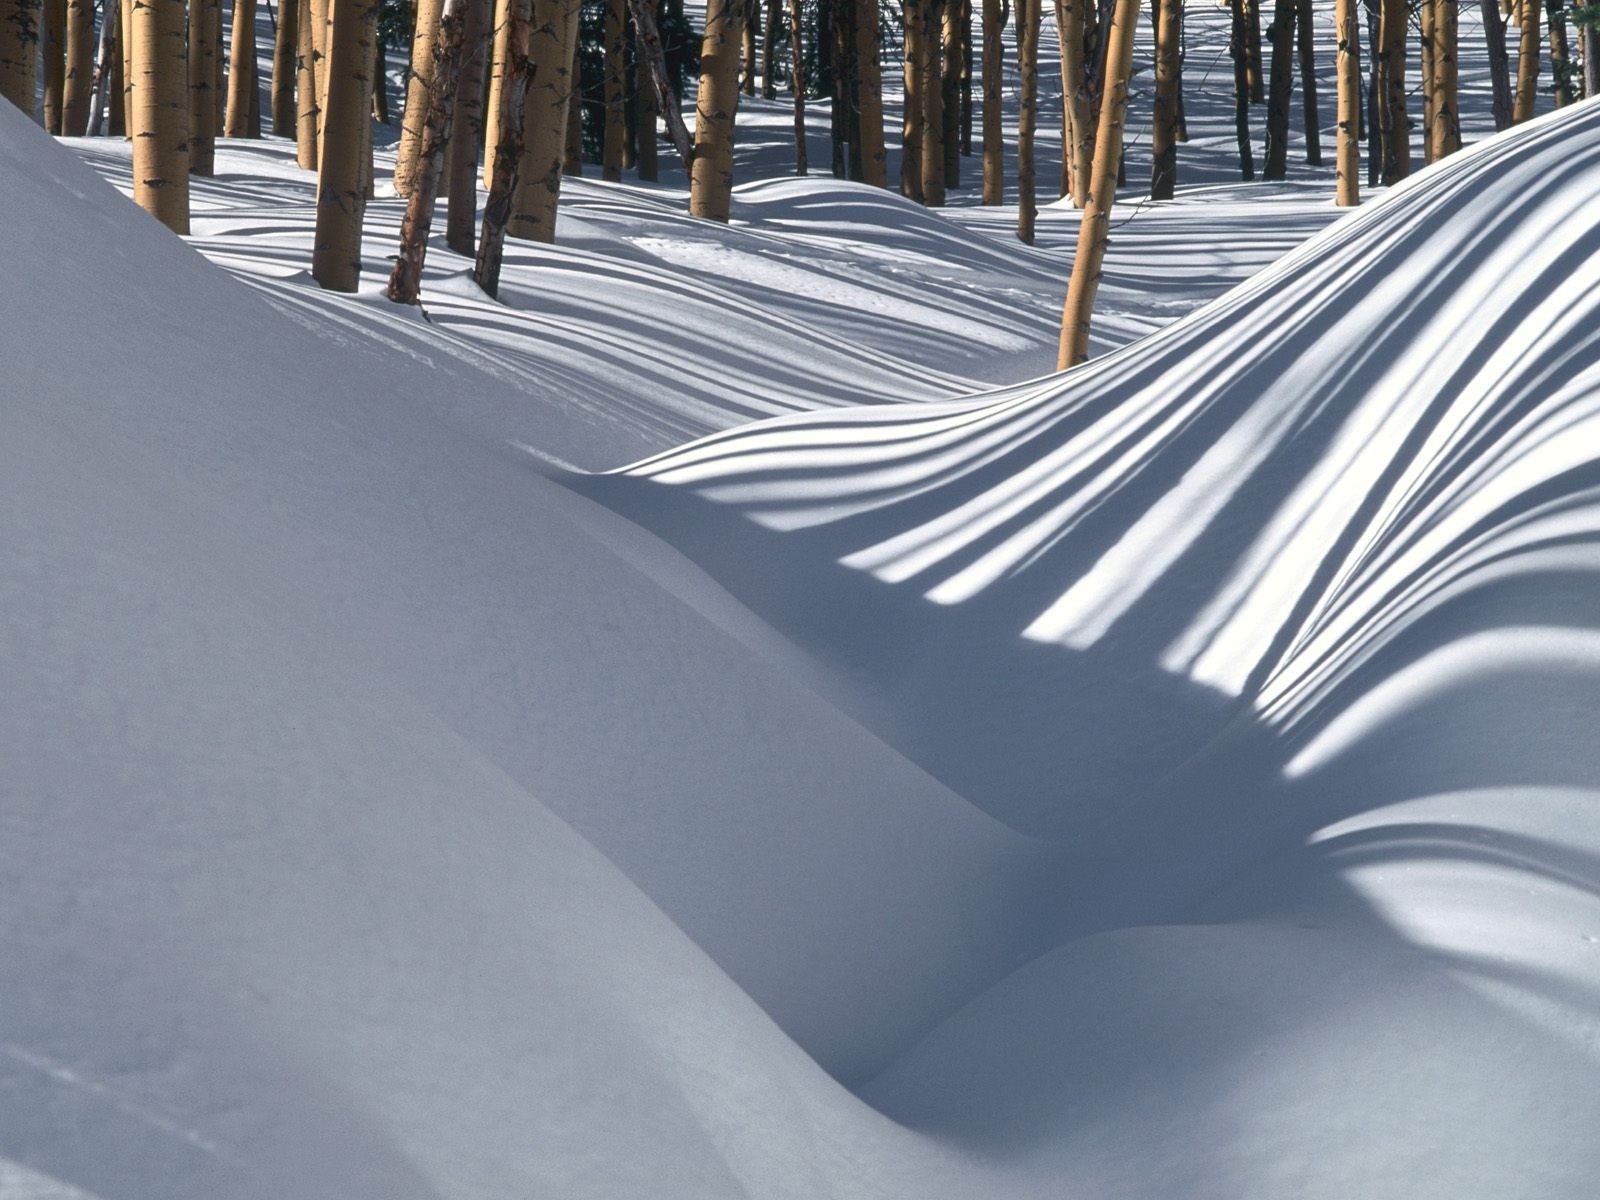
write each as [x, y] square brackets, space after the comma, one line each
[1172, 779]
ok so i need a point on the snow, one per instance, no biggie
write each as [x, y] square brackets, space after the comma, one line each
[1175, 778]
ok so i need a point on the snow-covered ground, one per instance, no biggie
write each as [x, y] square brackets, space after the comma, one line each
[1174, 779]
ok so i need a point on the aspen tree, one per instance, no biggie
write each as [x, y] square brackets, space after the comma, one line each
[614, 89]
[1589, 39]
[1395, 122]
[1444, 136]
[241, 70]
[1078, 155]
[869, 95]
[1305, 35]
[466, 130]
[1561, 68]
[1027, 19]
[930, 94]
[798, 83]
[950, 101]
[444, 75]
[342, 172]
[551, 81]
[204, 16]
[645, 118]
[159, 118]
[911, 123]
[124, 125]
[1494, 38]
[19, 51]
[1239, 49]
[283, 68]
[1095, 231]
[747, 83]
[78, 84]
[1280, 87]
[54, 44]
[516, 19]
[494, 105]
[1164, 126]
[117, 77]
[994, 154]
[1252, 42]
[769, 50]
[380, 83]
[106, 58]
[966, 78]
[308, 106]
[1348, 64]
[415, 114]
[1527, 60]
[711, 173]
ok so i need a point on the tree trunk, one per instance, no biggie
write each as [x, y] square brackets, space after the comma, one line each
[283, 68]
[1082, 99]
[467, 130]
[654, 57]
[1494, 36]
[572, 152]
[1239, 48]
[711, 172]
[1562, 72]
[769, 50]
[160, 115]
[19, 52]
[418, 84]
[205, 17]
[380, 82]
[930, 91]
[342, 171]
[647, 115]
[911, 125]
[78, 91]
[552, 51]
[1591, 60]
[104, 76]
[126, 113]
[1252, 30]
[494, 106]
[117, 115]
[1348, 157]
[950, 102]
[614, 84]
[994, 150]
[1527, 61]
[308, 105]
[54, 45]
[1305, 33]
[748, 53]
[513, 32]
[869, 95]
[1444, 136]
[1164, 124]
[1027, 19]
[966, 78]
[444, 76]
[1396, 120]
[1095, 231]
[1280, 89]
[241, 70]
[798, 84]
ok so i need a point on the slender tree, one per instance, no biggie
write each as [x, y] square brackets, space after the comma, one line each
[122, 121]
[994, 146]
[19, 52]
[241, 70]
[950, 101]
[912, 111]
[1077, 160]
[769, 50]
[107, 58]
[415, 114]
[797, 80]
[646, 116]
[283, 67]
[615, 90]
[444, 76]
[930, 93]
[551, 82]
[1094, 233]
[1305, 33]
[1562, 71]
[159, 118]
[1589, 40]
[747, 81]
[54, 45]
[467, 130]
[78, 87]
[1527, 60]
[711, 173]
[494, 106]
[1239, 48]
[308, 108]
[380, 82]
[1027, 21]
[869, 95]
[342, 173]
[1252, 43]
[1280, 89]
[1346, 31]
[1164, 124]
[1444, 135]
[1395, 122]
[204, 18]
[1494, 37]
[516, 21]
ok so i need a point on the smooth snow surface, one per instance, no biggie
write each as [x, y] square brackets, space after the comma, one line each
[1173, 779]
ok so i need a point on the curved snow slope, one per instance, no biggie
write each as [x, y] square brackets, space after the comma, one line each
[308, 688]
